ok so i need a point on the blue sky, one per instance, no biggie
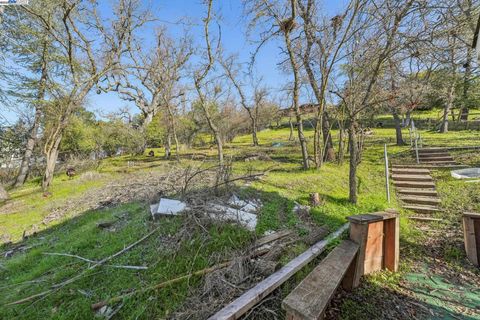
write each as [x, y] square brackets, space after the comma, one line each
[234, 40]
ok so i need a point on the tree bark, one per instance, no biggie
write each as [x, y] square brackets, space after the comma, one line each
[147, 120]
[466, 84]
[448, 107]
[296, 89]
[174, 132]
[353, 147]
[32, 134]
[290, 137]
[51, 158]
[398, 129]
[341, 147]
[329, 154]
[3, 193]
[254, 133]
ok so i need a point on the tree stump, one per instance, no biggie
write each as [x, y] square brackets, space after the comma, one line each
[315, 199]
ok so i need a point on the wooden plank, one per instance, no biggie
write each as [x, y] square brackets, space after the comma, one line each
[411, 177]
[410, 171]
[469, 239]
[420, 200]
[424, 218]
[391, 244]
[414, 184]
[359, 234]
[422, 208]
[374, 248]
[310, 298]
[272, 237]
[250, 298]
[417, 191]
[476, 231]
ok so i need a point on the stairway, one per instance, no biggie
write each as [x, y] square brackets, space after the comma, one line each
[416, 189]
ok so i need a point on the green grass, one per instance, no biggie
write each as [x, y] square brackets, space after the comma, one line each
[197, 249]
[168, 254]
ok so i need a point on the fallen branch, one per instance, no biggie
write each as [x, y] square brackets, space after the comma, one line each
[202, 272]
[93, 261]
[80, 275]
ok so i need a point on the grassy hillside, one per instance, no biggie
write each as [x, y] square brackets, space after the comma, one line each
[182, 244]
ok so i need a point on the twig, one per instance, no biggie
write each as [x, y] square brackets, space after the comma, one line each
[100, 304]
[75, 278]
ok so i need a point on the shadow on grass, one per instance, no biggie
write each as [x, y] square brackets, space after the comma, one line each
[373, 300]
[180, 246]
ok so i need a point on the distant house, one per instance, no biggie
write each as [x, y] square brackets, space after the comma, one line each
[307, 108]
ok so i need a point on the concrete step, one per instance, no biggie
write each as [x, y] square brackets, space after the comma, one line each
[421, 200]
[410, 171]
[417, 192]
[411, 177]
[422, 208]
[427, 219]
[436, 159]
[415, 184]
[431, 150]
[433, 155]
[430, 166]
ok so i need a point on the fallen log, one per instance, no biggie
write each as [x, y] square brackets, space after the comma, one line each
[250, 298]
[164, 284]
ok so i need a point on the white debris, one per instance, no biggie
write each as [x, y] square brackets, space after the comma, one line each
[236, 202]
[298, 208]
[244, 205]
[168, 207]
[247, 219]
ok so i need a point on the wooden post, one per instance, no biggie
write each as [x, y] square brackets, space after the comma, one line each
[377, 235]
[471, 234]
[387, 174]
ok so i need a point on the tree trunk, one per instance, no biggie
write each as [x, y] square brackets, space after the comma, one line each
[341, 145]
[148, 119]
[174, 132]
[353, 147]
[398, 129]
[51, 158]
[3, 193]
[466, 84]
[329, 154]
[32, 134]
[290, 137]
[317, 148]
[168, 145]
[27, 156]
[254, 132]
[447, 108]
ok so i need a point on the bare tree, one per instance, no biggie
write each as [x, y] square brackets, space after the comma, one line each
[368, 52]
[88, 57]
[324, 39]
[259, 95]
[202, 83]
[150, 77]
[280, 22]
